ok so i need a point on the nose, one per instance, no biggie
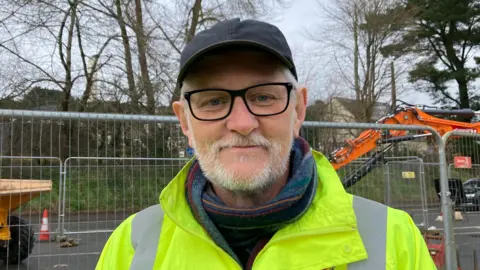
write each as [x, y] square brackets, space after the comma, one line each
[240, 119]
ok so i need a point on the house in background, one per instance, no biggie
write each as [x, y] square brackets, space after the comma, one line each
[339, 110]
[345, 110]
[351, 110]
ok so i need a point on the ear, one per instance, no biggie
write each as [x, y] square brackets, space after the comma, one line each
[300, 109]
[179, 110]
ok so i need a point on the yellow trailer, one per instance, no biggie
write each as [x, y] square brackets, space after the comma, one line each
[16, 236]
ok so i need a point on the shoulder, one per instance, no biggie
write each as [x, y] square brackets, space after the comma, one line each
[395, 221]
[132, 234]
[134, 226]
[381, 213]
[146, 222]
[401, 225]
[404, 244]
[150, 215]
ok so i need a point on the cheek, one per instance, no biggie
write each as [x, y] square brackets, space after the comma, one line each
[204, 134]
[281, 132]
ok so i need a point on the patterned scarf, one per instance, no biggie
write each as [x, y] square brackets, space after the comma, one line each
[242, 233]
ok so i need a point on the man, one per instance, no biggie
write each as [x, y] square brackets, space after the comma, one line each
[255, 196]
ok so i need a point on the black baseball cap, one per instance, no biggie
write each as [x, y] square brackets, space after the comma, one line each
[237, 33]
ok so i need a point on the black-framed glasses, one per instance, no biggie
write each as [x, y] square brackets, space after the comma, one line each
[265, 99]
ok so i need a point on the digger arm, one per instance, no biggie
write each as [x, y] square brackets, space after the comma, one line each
[372, 138]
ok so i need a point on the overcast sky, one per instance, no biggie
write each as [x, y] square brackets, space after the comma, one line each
[306, 14]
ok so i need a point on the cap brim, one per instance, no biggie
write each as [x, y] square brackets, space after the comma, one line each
[226, 44]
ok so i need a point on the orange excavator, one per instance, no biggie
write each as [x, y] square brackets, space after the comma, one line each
[380, 141]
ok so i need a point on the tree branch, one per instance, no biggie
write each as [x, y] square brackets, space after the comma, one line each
[57, 82]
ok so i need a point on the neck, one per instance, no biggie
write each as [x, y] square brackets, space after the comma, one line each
[248, 199]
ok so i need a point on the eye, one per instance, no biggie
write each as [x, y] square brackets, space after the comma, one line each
[214, 102]
[262, 98]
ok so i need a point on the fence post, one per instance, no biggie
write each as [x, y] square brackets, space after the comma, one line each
[449, 169]
[386, 173]
[450, 248]
[423, 190]
[60, 200]
[63, 196]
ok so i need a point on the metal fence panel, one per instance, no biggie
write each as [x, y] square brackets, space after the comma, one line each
[115, 164]
[406, 188]
[102, 192]
[108, 167]
[378, 172]
[463, 158]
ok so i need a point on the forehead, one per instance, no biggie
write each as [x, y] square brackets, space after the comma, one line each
[235, 67]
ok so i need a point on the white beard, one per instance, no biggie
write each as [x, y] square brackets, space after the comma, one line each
[254, 182]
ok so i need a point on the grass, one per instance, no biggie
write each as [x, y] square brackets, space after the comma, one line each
[114, 187]
[101, 188]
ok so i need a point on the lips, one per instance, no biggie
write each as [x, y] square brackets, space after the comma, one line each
[244, 148]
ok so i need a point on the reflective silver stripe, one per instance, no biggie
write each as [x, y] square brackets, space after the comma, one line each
[372, 224]
[145, 236]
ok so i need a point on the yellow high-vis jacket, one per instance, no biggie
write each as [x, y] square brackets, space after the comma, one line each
[339, 231]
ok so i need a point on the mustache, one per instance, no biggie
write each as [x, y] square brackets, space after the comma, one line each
[239, 140]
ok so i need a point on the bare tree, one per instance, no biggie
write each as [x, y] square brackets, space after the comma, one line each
[117, 56]
[61, 27]
[128, 55]
[177, 26]
[67, 25]
[142, 39]
[352, 41]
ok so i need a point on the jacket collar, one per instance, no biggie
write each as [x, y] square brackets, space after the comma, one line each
[330, 212]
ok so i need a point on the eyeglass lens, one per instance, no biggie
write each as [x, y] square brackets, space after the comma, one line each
[261, 100]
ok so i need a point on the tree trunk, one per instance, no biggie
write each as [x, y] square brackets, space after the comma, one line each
[461, 73]
[463, 92]
[197, 7]
[373, 75]
[142, 58]
[128, 58]
[394, 86]
[190, 33]
[355, 53]
[66, 125]
[67, 89]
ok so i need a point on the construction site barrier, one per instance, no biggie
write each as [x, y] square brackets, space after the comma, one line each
[113, 165]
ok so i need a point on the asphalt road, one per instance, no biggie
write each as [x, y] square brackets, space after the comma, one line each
[467, 234]
[92, 235]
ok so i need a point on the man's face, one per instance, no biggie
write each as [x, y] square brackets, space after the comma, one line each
[242, 152]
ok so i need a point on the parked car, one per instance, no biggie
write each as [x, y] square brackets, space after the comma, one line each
[472, 191]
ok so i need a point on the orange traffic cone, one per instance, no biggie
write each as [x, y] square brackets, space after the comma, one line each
[44, 229]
